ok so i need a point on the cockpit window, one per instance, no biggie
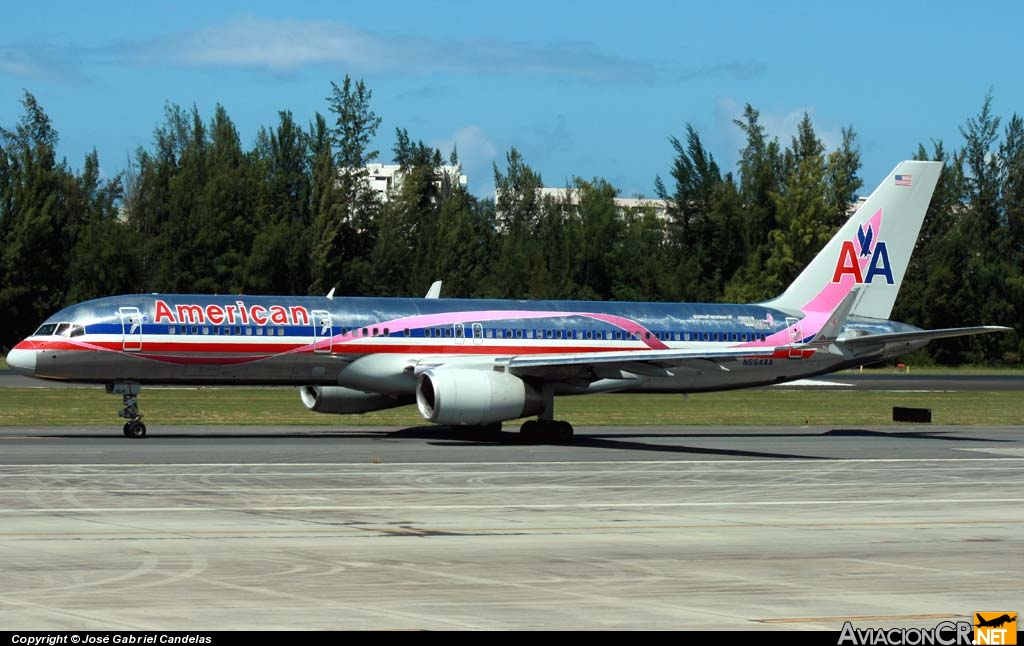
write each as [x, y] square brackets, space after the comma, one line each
[62, 329]
[46, 330]
[77, 330]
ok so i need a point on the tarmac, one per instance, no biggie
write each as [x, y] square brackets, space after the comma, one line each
[721, 528]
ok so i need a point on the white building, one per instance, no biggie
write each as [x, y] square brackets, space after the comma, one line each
[386, 179]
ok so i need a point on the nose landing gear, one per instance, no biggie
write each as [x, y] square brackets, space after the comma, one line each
[130, 398]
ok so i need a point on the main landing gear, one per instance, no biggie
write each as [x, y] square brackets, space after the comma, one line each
[545, 428]
[130, 398]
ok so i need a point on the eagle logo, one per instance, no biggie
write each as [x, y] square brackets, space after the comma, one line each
[865, 238]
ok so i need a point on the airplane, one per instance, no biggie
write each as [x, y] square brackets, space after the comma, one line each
[995, 622]
[478, 363]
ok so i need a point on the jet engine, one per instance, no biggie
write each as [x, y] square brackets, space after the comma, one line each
[474, 397]
[345, 401]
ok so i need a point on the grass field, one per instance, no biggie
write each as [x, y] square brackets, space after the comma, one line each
[93, 407]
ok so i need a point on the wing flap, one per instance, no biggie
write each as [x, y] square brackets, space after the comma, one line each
[654, 359]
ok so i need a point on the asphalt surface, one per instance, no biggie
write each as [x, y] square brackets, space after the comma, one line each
[627, 528]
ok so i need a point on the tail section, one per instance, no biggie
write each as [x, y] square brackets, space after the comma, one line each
[871, 250]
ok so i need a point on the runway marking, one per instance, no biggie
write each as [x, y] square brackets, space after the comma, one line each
[607, 505]
[812, 383]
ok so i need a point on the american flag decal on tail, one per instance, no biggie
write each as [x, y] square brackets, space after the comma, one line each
[903, 180]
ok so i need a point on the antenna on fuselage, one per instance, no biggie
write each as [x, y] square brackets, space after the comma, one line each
[435, 290]
[330, 295]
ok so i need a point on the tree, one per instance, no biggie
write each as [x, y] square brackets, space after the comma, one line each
[693, 226]
[843, 164]
[37, 223]
[279, 261]
[760, 172]
[519, 268]
[344, 234]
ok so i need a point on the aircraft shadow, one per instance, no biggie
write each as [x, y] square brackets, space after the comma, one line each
[456, 437]
[907, 435]
[459, 438]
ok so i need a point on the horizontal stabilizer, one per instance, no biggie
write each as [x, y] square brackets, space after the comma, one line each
[923, 335]
[830, 330]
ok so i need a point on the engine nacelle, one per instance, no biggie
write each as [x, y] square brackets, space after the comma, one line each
[345, 401]
[474, 397]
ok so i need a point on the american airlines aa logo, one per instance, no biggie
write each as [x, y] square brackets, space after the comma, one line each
[995, 628]
[852, 254]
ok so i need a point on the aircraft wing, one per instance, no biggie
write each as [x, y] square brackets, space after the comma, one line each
[922, 335]
[645, 362]
[657, 357]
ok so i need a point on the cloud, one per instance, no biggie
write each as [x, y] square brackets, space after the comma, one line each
[42, 61]
[553, 139]
[778, 124]
[477, 153]
[287, 46]
[736, 71]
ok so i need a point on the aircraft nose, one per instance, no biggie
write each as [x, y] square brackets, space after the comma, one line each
[22, 361]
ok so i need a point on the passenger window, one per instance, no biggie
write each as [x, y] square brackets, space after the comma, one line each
[500, 333]
[171, 329]
[259, 331]
[248, 331]
[489, 333]
[206, 330]
[519, 333]
[280, 331]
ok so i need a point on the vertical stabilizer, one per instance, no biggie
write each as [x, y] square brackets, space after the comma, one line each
[872, 249]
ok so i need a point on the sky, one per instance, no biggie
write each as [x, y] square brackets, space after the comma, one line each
[589, 89]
